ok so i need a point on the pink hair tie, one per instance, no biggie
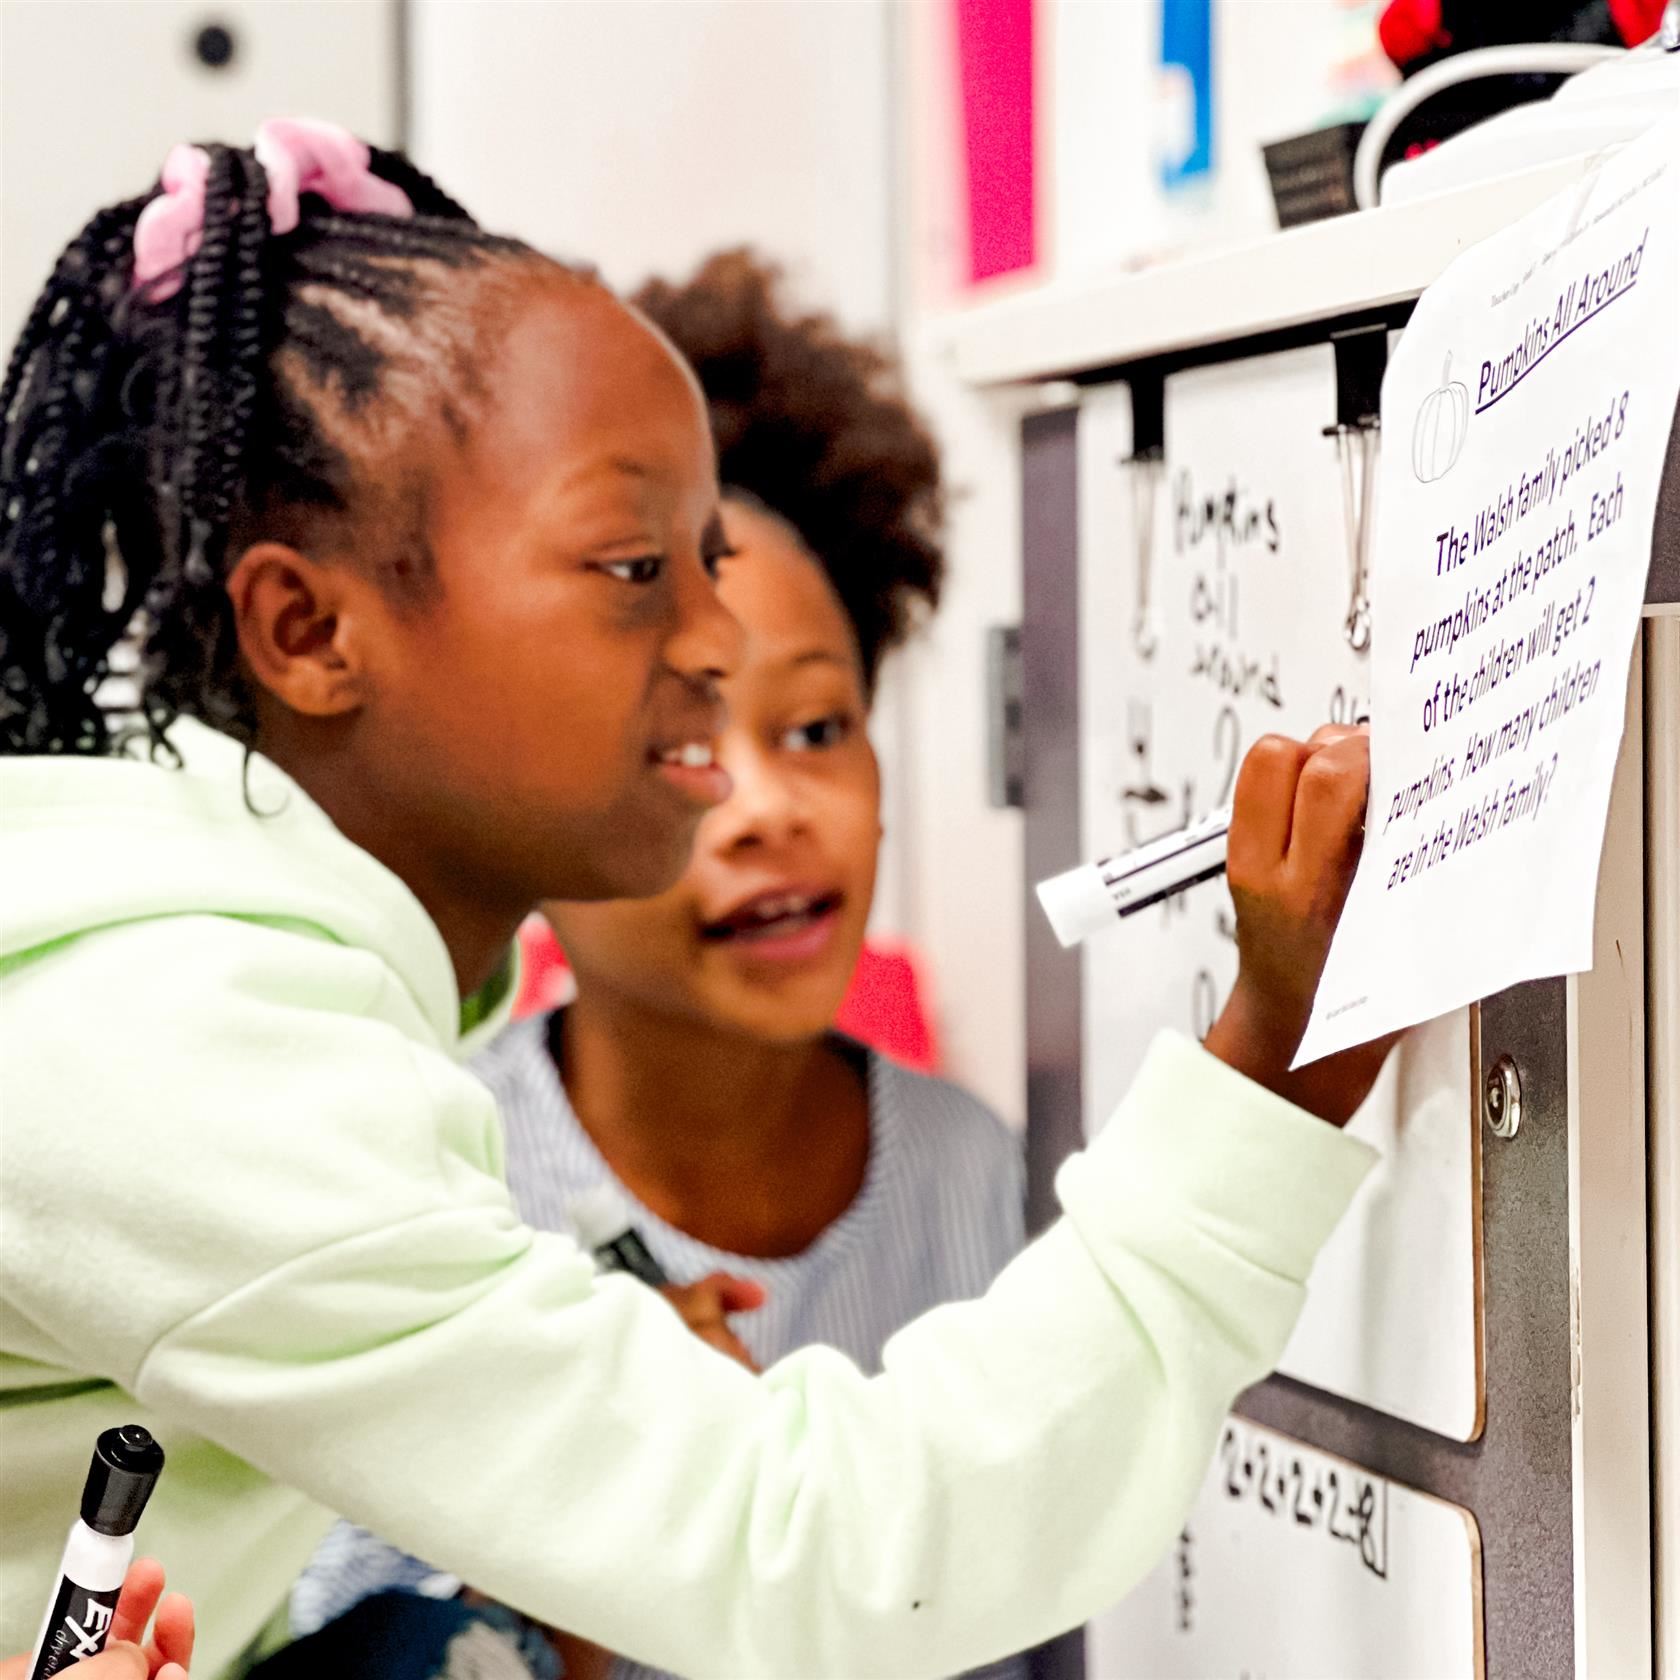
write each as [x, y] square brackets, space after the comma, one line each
[171, 227]
[301, 156]
[297, 155]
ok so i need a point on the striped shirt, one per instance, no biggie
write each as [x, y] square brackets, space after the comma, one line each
[938, 1216]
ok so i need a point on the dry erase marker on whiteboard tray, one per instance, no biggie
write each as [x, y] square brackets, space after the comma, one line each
[601, 1218]
[1096, 895]
[125, 1469]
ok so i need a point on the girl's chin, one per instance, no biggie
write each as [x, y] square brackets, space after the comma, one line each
[778, 1008]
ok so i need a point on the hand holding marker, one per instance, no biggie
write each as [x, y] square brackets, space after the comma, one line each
[98, 1596]
[601, 1219]
[1086, 899]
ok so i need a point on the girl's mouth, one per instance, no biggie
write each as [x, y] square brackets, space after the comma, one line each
[691, 768]
[781, 926]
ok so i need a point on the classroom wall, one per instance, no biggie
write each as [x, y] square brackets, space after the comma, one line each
[643, 134]
[93, 93]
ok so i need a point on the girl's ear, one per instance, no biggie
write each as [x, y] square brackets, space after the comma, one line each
[295, 631]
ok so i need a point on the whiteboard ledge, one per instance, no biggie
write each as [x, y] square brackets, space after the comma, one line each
[1313, 273]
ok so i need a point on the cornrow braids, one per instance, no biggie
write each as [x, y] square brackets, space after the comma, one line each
[815, 426]
[144, 442]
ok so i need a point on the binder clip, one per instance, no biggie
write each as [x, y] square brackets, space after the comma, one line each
[1361, 360]
[1146, 469]
[1356, 449]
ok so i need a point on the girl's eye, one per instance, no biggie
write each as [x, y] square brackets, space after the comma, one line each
[714, 559]
[645, 569]
[818, 735]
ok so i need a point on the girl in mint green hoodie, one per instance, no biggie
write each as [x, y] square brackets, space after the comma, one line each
[417, 531]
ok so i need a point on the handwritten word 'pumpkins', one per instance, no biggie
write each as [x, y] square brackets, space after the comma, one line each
[1438, 436]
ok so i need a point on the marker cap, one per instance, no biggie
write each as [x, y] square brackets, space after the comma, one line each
[1077, 904]
[126, 1465]
[599, 1215]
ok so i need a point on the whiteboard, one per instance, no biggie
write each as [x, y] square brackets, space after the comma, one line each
[1294, 1565]
[1249, 587]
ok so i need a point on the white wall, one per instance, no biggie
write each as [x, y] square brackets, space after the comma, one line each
[643, 134]
[94, 92]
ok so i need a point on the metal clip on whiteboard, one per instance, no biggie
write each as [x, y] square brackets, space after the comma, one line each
[1356, 448]
[1147, 468]
[1361, 360]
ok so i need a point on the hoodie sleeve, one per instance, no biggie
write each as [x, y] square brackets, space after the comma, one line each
[324, 1275]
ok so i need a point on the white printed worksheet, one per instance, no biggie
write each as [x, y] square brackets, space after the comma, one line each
[1525, 418]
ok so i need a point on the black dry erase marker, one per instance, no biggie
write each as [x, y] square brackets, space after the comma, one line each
[604, 1226]
[1093, 896]
[125, 1469]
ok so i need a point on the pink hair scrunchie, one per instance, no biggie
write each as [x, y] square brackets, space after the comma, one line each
[298, 156]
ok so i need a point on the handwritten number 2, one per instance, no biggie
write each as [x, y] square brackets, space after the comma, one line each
[1227, 739]
[1228, 1451]
[1304, 1518]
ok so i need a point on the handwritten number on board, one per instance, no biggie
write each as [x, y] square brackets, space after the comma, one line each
[1365, 1512]
[1228, 1451]
[1356, 1519]
[1227, 742]
[1304, 1518]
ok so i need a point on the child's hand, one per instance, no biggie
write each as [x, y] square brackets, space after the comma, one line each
[170, 1649]
[705, 1307]
[1297, 826]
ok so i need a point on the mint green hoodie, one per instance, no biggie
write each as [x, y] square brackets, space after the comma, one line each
[249, 1198]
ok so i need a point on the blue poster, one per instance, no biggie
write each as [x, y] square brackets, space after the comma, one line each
[1186, 153]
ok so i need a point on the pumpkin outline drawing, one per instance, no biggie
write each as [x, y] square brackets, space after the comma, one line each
[1450, 400]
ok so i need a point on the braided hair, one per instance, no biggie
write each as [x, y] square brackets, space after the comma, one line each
[816, 427]
[145, 442]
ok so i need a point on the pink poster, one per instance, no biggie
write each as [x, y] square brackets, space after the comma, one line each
[995, 74]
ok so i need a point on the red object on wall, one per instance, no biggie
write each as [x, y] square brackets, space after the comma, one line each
[1410, 28]
[1637, 20]
[884, 1008]
[545, 980]
[995, 75]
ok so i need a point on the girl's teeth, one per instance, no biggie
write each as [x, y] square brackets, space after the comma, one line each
[696, 755]
[772, 910]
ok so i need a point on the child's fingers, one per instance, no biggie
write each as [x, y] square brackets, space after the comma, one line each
[1263, 809]
[142, 1588]
[706, 1304]
[172, 1633]
[1328, 732]
[736, 1294]
[709, 1299]
[1329, 815]
[123, 1661]
[728, 1343]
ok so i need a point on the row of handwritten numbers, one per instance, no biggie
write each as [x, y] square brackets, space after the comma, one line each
[1343, 1504]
